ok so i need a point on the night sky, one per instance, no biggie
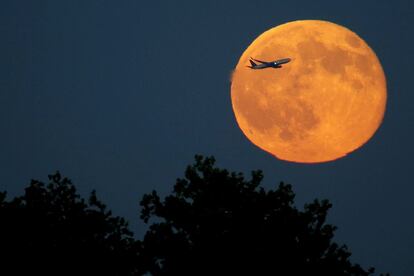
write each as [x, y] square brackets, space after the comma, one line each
[120, 95]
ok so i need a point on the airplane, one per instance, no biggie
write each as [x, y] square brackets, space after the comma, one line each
[267, 64]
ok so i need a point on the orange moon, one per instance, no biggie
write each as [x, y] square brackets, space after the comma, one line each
[327, 102]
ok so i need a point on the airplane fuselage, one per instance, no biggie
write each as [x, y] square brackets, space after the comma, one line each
[265, 64]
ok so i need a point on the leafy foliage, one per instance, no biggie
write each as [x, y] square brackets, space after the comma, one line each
[217, 223]
[214, 222]
[51, 230]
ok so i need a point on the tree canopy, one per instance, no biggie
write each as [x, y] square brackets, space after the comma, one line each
[51, 230]
[217, 223]
[214, 222]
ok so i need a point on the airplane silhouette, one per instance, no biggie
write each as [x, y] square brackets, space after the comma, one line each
[267, 64]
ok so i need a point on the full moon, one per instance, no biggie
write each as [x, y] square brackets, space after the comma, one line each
[325, 103]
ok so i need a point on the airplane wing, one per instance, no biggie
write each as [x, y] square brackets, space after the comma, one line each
[264, 62]
[252, 63]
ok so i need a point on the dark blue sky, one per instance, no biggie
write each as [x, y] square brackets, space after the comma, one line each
[119, 96]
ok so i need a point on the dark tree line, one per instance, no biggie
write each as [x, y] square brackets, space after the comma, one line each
[51, 230]
[214, 222]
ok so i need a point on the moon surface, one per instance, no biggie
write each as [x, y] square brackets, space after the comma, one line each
[327, 102]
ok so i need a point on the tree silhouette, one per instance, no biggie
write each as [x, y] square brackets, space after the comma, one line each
[218, 223]
[51, 230]
[214, 223]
